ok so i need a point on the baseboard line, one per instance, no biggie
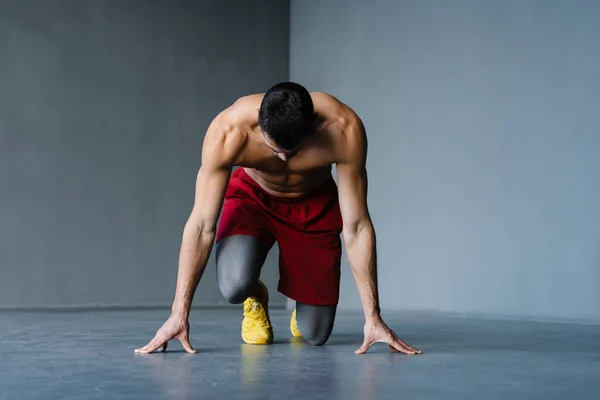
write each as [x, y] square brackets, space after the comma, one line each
[284, 305]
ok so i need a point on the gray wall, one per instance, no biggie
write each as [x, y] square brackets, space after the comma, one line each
[103, 108]
[484, 156]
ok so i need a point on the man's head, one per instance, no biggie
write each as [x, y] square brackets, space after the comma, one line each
[286, 118]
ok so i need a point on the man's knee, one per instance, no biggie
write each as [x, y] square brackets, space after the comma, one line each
[315, 322]
[239, 260]
[235, 292]
[236, 283]
[317, 338]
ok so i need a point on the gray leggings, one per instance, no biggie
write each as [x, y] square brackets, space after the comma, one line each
[239, 261]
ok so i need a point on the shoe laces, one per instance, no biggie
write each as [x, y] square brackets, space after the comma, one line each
[255, 314]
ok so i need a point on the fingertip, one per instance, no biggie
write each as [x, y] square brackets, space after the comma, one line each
[189, 349]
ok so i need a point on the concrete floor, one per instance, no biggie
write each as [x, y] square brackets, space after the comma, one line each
[89, 355]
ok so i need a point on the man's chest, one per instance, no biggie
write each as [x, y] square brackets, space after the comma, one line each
[306, 161]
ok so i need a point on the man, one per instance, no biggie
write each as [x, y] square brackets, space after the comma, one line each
[285, 142]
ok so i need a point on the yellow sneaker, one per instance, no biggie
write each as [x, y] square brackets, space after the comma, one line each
[256, 325]
[294, 326]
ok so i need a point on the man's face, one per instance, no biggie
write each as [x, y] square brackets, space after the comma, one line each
[284, 155]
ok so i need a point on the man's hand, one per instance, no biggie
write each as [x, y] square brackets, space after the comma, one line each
[379, 332]
[175, 328]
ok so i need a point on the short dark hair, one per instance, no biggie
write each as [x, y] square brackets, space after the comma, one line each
[287, 114]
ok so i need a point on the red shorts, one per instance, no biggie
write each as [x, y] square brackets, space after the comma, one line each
[307, 230]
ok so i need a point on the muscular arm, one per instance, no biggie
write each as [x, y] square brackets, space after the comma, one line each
[200, 229]
[199, 234]
[221, 146]
[359, 236]
[358, 232]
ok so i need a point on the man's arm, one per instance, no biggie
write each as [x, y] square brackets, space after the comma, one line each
[359, 235]
[219, 150]
[358, 231]
[199, 231]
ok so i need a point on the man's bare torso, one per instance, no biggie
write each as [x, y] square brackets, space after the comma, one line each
[310, 167]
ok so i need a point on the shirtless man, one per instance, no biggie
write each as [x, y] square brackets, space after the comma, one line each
[285, 142]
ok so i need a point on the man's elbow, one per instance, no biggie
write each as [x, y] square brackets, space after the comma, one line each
[198, 227]
[353, 230]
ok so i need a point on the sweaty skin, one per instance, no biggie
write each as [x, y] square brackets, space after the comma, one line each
[234, 138]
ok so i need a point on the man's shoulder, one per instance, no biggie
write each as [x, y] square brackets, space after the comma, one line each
[227, 134]
[338, 118]
[245, 107]
[334, 110]
[238, 116]
[342, 124]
